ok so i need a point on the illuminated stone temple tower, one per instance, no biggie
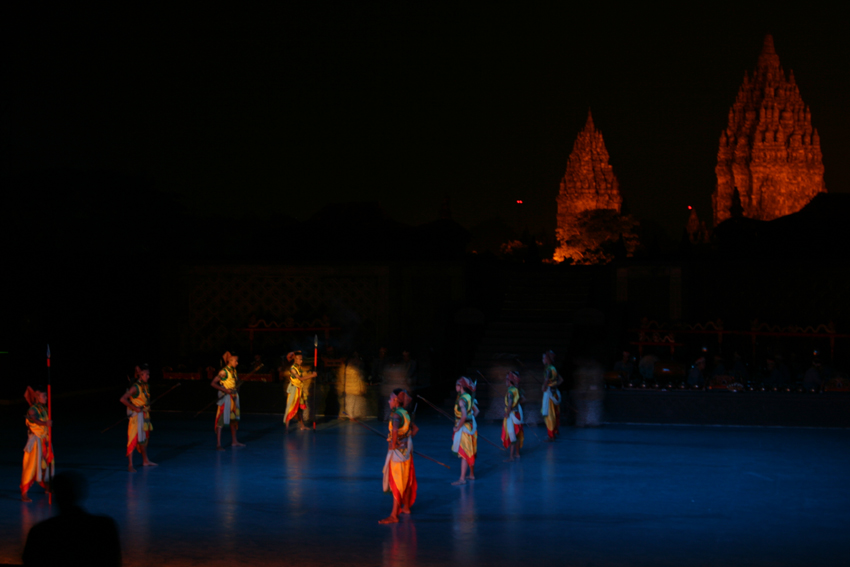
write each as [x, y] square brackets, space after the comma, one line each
[769, 152]
[588, 184]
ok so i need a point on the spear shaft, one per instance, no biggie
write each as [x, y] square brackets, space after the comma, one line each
[376, 432]
[152, 403]
[49, 418]
[452, 420]
[315, 382]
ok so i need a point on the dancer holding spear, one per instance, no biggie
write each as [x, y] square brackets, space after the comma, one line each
[399, 470]
[38, 463]
[296, 398]
[465, 432]
[228, 412]
[447, 416]
[551, 408]
[512, 434]
[138, 402]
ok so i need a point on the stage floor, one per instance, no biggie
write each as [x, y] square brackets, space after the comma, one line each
[617, 495]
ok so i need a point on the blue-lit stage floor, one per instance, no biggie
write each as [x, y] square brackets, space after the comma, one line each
[618, 495]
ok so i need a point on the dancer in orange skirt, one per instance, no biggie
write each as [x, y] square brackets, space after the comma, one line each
[296, 393]
[138, 402]
[551, 410]
[38, 453]
[228, 412]
[465, 440]
[512, 434]
[399, 471]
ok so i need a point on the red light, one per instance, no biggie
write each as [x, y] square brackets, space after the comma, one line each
[690, 207]
[519, 202]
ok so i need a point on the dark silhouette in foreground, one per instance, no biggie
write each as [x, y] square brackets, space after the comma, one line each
[73, 537]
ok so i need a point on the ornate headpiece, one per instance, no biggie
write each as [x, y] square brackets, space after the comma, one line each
[513, 377]
[31, 396]
[228, 357]
[404, 398]
[291, 355]
[467, 384]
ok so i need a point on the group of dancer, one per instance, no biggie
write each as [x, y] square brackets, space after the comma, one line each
[399, 473]
[399, 470]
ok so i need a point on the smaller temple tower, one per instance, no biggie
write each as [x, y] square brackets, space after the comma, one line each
[589, 182]
[589, 186]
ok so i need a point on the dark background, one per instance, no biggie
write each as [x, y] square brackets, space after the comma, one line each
[288, 108]
[134, 140]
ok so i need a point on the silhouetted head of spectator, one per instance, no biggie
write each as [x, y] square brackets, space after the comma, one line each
[70, 489]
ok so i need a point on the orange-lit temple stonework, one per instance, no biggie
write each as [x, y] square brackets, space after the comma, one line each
[588, 184]
[769, 151]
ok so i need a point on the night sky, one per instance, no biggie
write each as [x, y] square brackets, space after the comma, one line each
[287, 109]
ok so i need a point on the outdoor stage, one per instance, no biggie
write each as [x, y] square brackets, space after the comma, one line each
[617, 495]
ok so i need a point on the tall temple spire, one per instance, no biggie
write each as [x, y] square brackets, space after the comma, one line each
[769, 152]
[589, 181]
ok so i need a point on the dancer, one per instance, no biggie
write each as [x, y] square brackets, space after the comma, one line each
[138, 402]
[226, 382]
[465, 442]
[551, 410]
[38, 453]
[399, 471]
[512, 435]
[296, 393]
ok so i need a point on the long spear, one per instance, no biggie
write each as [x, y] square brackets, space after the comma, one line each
[49, 418]
[447, 416]
[239, 382]
[376, 432]
[162, 395]
[315, 382]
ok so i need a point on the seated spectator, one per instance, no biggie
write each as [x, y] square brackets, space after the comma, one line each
[257, 366]
[646, 367]
[696, 377]
[625, 367]
[815, 376]
[739, 369]
[73, 537]
[720, 367]
[775, 375]
[378, 365]
[409, 365]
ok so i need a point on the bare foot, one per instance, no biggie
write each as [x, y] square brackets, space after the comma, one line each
[25, 498]
[303, 428]
[458, 482]
[150, 464]
[471, 477]
[131, 469]
[508, 460]
[404, 511]
[219, 448]
[237, 444]
[389, 520]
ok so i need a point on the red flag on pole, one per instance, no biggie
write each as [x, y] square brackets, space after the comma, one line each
[49, 418]
[316, 379]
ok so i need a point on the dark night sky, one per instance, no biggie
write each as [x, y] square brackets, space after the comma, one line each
[290, 108]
